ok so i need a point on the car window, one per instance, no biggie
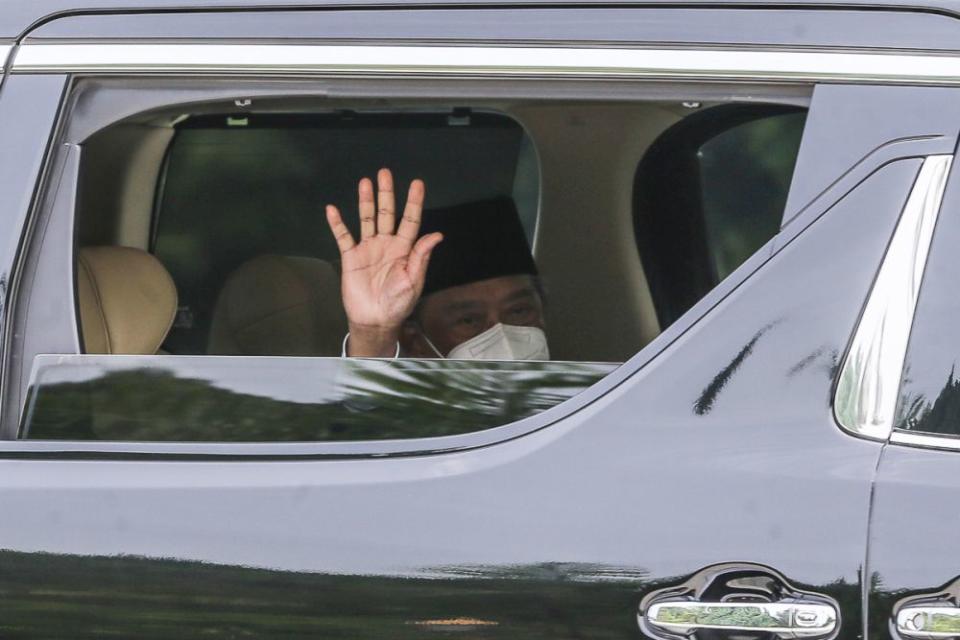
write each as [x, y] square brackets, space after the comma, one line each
[210, 285]
[708, 194]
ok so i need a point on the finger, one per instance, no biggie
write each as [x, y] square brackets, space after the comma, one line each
[386, 217]
[367, 226]
[420, 258]
[340, 232]
[410, 225]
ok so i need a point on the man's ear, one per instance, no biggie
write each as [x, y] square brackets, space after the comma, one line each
[412, 344]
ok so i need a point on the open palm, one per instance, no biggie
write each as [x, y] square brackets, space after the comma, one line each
[383, 274]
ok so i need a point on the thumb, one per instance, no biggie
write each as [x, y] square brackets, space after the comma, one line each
[420, 258]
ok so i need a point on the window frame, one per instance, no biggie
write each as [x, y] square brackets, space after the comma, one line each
[559, 66]
[737, 64]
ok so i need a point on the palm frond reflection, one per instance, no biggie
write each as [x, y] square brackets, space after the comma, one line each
[154, 398]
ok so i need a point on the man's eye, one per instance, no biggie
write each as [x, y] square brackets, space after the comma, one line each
[468, 321]
[520, 313]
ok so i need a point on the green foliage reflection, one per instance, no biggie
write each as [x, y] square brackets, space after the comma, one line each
[916, 413]
[367, 400]
[56, 596]
[79, 597]
[720, 616]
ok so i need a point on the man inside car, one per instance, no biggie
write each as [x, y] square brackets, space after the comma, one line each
[451, 283]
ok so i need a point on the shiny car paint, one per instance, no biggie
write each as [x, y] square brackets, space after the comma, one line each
[715, 445]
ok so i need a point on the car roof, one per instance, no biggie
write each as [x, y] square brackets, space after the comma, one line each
[17, 17]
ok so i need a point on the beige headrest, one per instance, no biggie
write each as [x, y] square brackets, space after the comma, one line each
[279, 305]
[127, 300]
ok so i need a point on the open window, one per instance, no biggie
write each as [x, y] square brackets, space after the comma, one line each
[207, 283]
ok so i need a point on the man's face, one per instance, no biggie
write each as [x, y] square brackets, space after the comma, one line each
[452, 316]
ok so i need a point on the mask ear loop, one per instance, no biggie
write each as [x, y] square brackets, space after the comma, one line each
[431, 345]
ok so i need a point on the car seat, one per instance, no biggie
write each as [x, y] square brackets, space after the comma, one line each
[127, 300]
[279, 305]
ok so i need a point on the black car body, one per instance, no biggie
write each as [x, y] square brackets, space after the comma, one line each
[777, 456]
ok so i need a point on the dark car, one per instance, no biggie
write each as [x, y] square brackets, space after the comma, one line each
[744, 228]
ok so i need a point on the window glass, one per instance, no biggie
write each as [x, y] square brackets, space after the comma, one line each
[930, 392]
[526, 187]
[710, 192]
[180, 398]
[745, 175]
[241, 186]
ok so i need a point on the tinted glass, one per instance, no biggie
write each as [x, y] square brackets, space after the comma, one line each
[745, 175]
[930, 391]
[210, 399]
[240, 186]
[708, 193]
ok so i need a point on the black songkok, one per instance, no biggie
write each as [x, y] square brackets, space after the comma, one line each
[481, 240]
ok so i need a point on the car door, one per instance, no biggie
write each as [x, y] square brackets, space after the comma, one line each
[701, 487]
[913, 565]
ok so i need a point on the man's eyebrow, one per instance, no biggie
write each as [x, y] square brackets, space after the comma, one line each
[462, 305]
[520, 294]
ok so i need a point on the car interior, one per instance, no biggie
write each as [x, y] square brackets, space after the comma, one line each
[202, 232]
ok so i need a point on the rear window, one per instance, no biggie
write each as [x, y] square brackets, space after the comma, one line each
[709, 193]
[236, 186]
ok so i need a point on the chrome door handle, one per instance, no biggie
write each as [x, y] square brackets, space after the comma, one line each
[929, 622]
[784, 619]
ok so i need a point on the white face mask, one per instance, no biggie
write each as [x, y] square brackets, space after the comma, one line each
[501, 342]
